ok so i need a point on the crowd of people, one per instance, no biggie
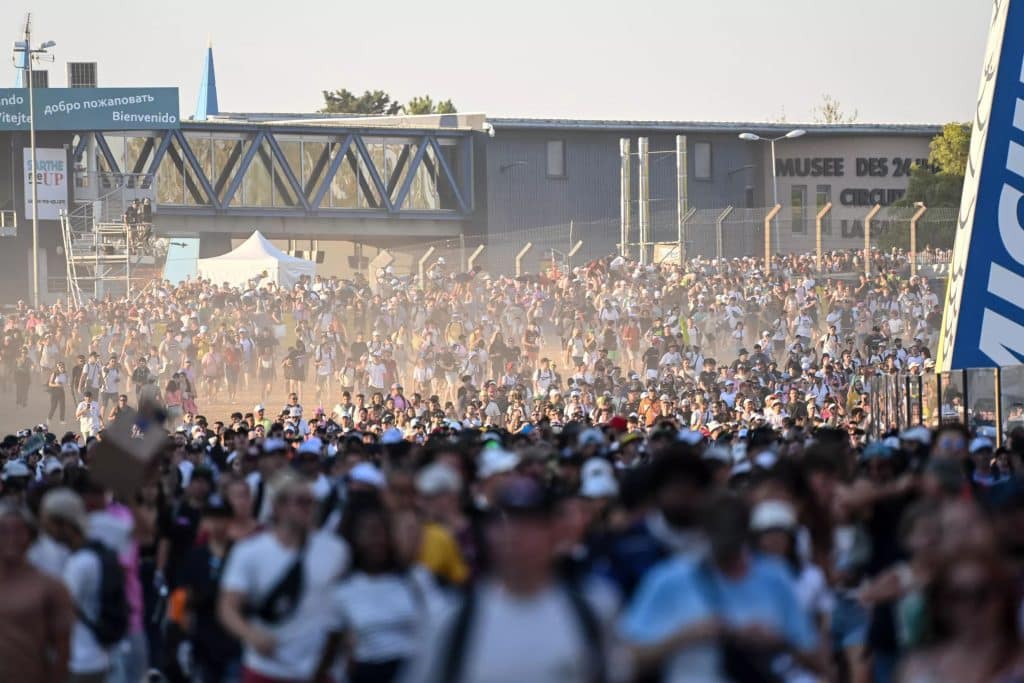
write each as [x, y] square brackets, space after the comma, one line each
[615, 472]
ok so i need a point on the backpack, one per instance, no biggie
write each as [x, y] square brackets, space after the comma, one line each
[586, 620]
[111, 625]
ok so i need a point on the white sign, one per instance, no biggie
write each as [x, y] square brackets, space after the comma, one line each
[51, 182]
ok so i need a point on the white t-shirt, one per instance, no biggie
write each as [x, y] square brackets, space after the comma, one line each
[89, 422]
[514, 639]
[387, 614]
[256, 565]
[82, 578]
[49, 556]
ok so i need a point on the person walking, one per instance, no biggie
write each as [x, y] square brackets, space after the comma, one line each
[36, 613]
[283, 576]
[55, 386]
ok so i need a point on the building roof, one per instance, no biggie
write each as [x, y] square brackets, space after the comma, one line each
[713, 126]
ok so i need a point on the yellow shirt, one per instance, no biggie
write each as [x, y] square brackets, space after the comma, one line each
[439, 552]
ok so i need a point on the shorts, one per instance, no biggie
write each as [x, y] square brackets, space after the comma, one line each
[850, 622]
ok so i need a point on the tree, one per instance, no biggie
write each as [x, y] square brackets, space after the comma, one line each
[941, 182]
[370, 103]
[938, 184]
[831, 111]
[425, 105]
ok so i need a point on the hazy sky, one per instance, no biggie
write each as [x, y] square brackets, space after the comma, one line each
[892, 60]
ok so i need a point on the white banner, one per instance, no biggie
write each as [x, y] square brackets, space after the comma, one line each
[52, 182]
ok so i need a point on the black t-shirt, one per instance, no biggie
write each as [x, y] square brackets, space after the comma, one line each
[182, 527]
[201, 577]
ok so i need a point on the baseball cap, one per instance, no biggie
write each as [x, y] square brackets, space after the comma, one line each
[598, 479]
[495, 461]
[773, 514]
[365, 473]
[65, 504]
[438, 478]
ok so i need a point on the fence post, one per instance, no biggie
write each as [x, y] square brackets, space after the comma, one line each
[768, 237]
[519, 257]
[644, 188]
[921, 208]
[867, 237]
[719, 247]
[817, 232]
[625, 201]
[471, 261]
[682, 194]
[910, 403]
[920, 399]
[572, 252]
[966, 400]
[423, 262]
[998, 381]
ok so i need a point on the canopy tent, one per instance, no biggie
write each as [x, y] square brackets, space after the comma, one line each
[251, 258]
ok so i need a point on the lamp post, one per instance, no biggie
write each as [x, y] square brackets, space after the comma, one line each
[753, 137]
[28, 55]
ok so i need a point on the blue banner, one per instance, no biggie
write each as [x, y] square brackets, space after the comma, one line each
[983, 320]
[88, 109]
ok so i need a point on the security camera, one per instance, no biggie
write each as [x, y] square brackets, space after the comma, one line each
[489, 129]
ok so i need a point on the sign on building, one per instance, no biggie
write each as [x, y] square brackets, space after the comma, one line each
[78, 109]
[983, 320]
[52, 182]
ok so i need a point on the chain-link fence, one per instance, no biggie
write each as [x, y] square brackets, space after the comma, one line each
[726, 232]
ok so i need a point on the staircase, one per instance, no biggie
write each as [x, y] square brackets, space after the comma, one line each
[103, 254]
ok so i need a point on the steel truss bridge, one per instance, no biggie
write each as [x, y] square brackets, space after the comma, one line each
[316, 180]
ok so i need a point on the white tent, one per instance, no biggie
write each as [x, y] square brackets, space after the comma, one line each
[251, 258]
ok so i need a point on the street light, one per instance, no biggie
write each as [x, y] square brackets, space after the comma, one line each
[24, 47]
[753, 137]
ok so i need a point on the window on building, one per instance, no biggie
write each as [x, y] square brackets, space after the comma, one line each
[798, 207]
[822, 197]
[702, 160]
[556, 158]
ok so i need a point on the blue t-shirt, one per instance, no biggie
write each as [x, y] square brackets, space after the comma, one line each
[675, 595]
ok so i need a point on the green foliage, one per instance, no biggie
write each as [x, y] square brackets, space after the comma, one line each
[949, 149]
[370, 103]
[942, 184]
[425, 105]
[379, 103]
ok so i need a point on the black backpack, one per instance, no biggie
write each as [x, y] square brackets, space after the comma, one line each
[586, 619]
[111, 624]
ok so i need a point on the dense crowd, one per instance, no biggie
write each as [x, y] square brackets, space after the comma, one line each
[614, 472]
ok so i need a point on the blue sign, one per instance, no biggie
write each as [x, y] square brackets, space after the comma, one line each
[983, 320]
[80, 109]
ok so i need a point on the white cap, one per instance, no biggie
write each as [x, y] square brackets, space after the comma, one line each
[314, 446]
[365, 473]
[773, 514]
[63, 503]
[438, 478]
[496, 461]
[392, 435]
[919, 434]
[51, 465]
[981, 443]
[14, 469]
[590, 437]
[598, 479]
